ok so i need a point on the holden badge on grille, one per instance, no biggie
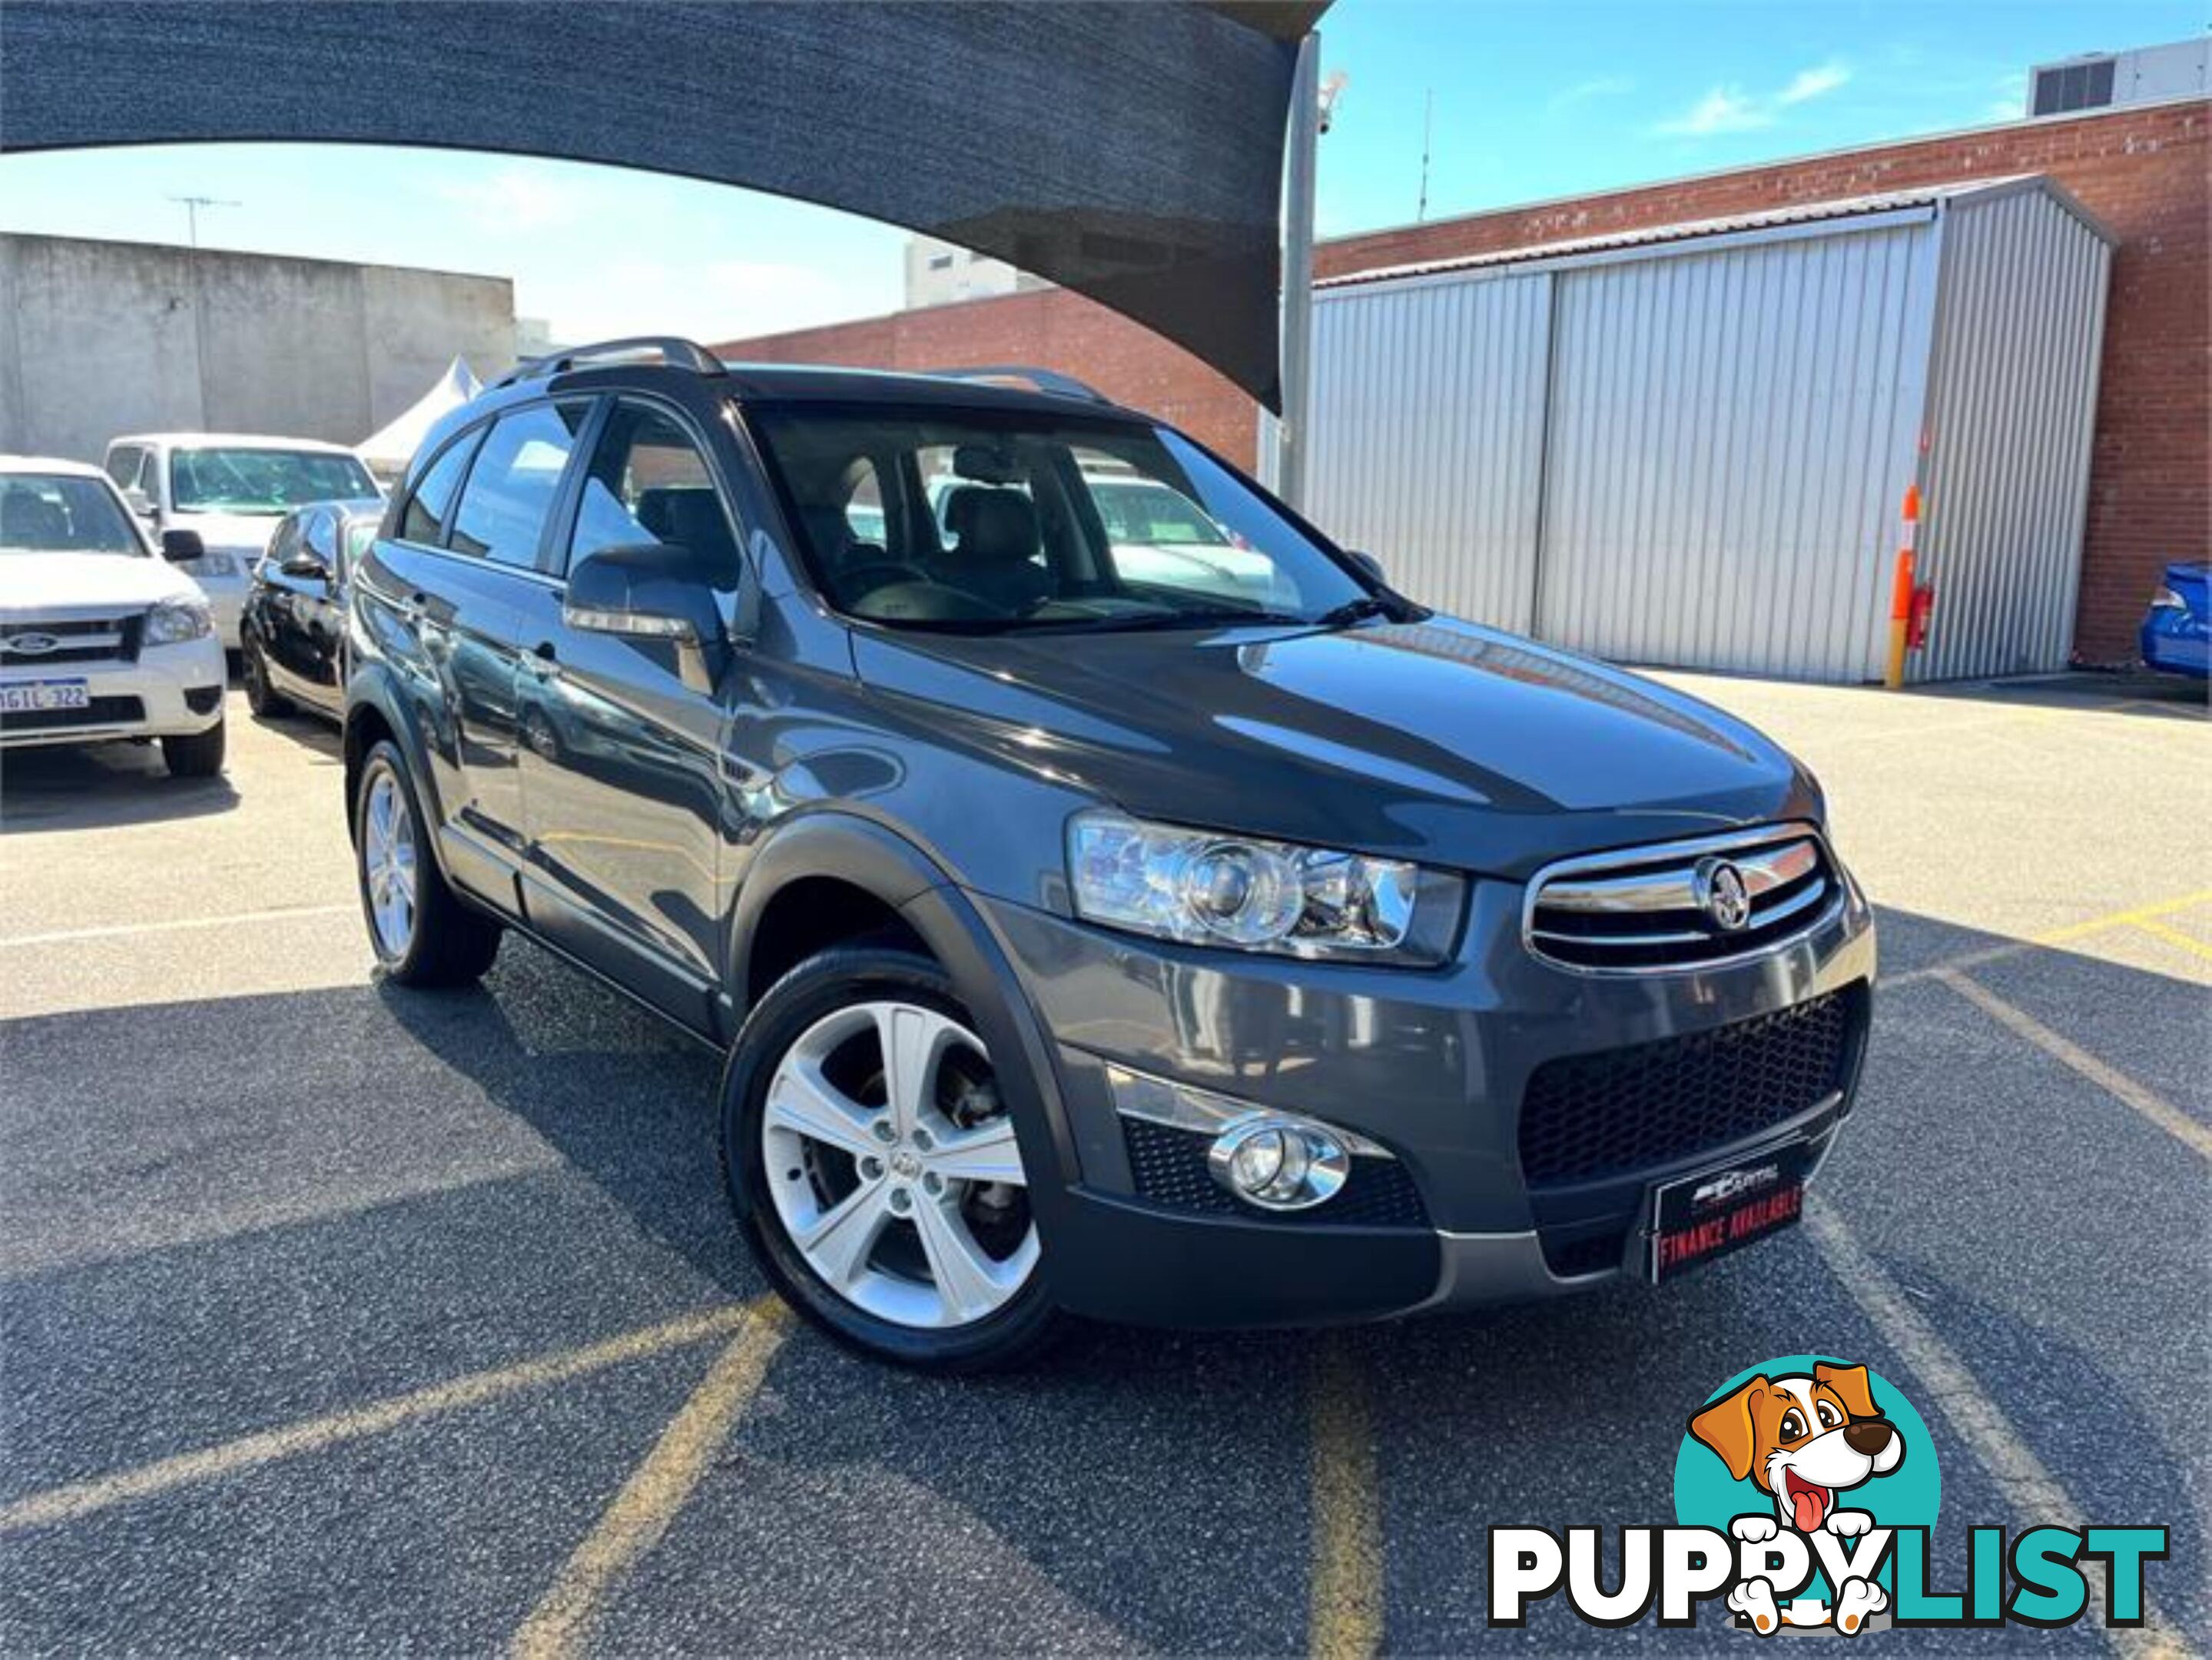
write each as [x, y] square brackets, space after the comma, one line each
[1722, 895]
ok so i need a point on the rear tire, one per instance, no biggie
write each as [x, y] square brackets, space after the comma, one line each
[199, 755]
[260, 696]
[856, 1206]
[423, 933]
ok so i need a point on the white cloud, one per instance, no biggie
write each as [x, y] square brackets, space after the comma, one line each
[1731, 109]
[516, 198]
[1724, 109]
[1808, 84]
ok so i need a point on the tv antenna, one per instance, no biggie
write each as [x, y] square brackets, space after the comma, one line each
[192, 204]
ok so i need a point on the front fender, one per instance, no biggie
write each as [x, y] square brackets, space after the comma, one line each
[882, 863]
[374, 687]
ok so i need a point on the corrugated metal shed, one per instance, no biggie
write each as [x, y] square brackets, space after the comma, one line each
[1687, 445]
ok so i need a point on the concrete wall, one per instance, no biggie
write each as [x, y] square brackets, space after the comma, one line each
[98, 338]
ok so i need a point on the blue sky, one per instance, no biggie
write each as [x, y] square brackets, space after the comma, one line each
[1532, 99]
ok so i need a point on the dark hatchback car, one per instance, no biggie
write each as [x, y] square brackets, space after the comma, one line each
[292, 627]
[1078, 939]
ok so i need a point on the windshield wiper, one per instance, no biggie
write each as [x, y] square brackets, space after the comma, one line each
[1356, 611]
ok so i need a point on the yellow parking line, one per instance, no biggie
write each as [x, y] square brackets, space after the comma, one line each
[2136, 915]
[2175, 937]
[1977, 1421]
[2140, 916]
[1345, 1615]
[2117, 1085]
[657, 1489]
[313, 1435]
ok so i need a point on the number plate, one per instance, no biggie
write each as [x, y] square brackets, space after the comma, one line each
[1700, 1218]
[33, 696]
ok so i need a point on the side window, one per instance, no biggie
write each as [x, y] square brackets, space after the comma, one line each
[123, 466]
[432, 503]
[510, 490]
[649, 484]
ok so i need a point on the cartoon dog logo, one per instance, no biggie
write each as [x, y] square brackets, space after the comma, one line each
[1804, 1440]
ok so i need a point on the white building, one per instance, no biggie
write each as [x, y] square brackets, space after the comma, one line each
[938, 273]
[2143, 74]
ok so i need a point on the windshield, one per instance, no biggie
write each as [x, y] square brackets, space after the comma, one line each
[263, 480]
[58, 512]
[985, 522]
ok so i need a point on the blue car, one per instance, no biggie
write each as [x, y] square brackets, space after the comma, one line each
[2179, 625]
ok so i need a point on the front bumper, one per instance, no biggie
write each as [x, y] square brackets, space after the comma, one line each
[169, 691]
[1434, 1065]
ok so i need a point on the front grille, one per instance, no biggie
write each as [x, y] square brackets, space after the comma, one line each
[1663, 907]
[79, 640]
[1169, 1167]
[100, 712]
[1585, 1117]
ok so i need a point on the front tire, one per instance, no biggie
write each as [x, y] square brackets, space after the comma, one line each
[260, 696]
[198, 756]
[874, 1168]
[423, 935]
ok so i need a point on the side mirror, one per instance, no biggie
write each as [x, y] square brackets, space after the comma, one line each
[140, 502]
[181, 546]
[1368, 563]
[654, 591]
[308, 566]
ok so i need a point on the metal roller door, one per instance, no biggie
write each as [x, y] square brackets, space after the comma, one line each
[1730, 434]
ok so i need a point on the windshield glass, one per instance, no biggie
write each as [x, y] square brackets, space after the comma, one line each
[263, 480]
[985, 522]
[56, 513]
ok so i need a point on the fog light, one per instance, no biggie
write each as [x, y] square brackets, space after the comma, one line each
[1278, 1164]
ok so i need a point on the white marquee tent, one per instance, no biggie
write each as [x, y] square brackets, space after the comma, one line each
[388, 452]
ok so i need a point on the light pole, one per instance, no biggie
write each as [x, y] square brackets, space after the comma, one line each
[1312, 104]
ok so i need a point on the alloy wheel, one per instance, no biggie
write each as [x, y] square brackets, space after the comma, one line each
[893, 1166]
[388, 864]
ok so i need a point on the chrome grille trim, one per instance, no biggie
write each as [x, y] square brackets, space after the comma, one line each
[71, 639]
[1636, 911]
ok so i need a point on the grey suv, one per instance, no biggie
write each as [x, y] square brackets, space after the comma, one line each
[1085, 932]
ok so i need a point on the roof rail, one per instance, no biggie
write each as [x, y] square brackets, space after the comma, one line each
[669, 347]
[1052, 381]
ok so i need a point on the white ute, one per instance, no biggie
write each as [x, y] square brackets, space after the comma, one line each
[99, 639]
[229, 489]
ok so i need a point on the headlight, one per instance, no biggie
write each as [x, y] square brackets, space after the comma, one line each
[174, 621]
[1210, 889]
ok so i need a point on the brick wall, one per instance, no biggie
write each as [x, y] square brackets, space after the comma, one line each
[2145, 174]
[1047, 328]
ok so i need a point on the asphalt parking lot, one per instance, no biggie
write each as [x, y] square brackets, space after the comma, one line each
[334, 1318]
